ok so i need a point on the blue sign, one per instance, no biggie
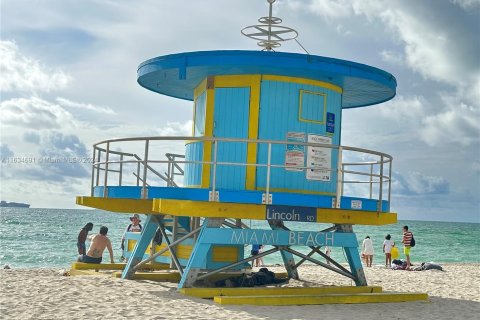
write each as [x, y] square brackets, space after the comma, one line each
[289, 213]
[330, 122]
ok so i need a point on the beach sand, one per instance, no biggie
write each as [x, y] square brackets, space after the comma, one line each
[46, 294]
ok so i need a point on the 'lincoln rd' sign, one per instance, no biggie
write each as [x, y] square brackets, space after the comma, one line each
[289, 213]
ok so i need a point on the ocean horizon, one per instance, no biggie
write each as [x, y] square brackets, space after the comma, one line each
[46, 238]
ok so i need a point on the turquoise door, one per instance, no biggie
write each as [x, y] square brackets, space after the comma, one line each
[231, 113]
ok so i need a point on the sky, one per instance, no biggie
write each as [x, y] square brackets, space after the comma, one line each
[68, 80]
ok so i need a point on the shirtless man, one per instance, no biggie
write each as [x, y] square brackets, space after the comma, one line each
[97, 246]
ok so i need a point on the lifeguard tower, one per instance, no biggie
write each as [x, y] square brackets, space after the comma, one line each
[265, 145]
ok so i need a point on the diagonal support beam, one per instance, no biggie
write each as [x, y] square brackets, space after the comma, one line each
[173, 254]
[346, 274]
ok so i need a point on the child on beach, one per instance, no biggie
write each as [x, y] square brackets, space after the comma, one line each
[367, 250]
[387, 249]
[256, 248]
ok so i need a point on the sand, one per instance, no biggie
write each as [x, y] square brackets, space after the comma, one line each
[46, 294]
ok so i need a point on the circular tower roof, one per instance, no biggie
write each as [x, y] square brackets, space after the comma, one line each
[177, 75]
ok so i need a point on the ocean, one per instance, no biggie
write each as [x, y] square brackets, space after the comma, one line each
[46, 238]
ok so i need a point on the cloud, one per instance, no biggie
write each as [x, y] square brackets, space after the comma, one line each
[84, 106]
[416, 183]
[466, 4]
[5, 151]
[331, 8]
[61, 157]
[404, 108]
[34, 113]
[23, 74]
[176, 129]
[31, 137]
[392, 57]
[457, 124]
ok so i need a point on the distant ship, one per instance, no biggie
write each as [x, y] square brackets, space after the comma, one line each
[14, 204]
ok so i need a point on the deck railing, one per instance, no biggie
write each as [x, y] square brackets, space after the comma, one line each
[373, 172]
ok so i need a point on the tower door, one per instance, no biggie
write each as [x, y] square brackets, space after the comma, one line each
[231, 114]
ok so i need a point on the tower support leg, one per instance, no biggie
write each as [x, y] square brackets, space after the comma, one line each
[353, 257]
[148, 231]
[198, 258]
[287, 257]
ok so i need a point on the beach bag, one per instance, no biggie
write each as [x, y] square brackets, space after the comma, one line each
[412, 242]
[394, 253]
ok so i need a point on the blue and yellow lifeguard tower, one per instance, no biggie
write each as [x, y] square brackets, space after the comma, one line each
[265, 145]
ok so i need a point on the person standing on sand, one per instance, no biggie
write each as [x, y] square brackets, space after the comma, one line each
[135, 226]
[387, 249]
[97, 246]
[367, 250]
[82, 237]
[327, 253]
[406, 240]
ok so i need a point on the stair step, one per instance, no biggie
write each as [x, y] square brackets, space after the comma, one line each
[287, 300]
[270, 291]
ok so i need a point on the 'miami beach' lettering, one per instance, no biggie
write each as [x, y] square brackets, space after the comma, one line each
[254, 236]
[289, 213]
[282, 237]
[311, 238]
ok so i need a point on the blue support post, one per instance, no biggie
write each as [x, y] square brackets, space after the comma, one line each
[148, 231]
[353, 257]
[198, 258]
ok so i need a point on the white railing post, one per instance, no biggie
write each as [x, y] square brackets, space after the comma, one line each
[138, 172]
[99, 157]
[93, 171]
[339, 178]
[145, 168]
[169, 172]
[107, 154]
[267, 187]
[371, 180]
[121, 171]
[389, 181]
[380, 191]
[214, 174]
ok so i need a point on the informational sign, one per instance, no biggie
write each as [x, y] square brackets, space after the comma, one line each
[295, 154]
[330, 122]
[319, 157]
[356, 204]
[290, 213]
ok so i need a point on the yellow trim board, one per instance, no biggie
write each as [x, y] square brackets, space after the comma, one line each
[114, 266]
[207, 146]
[317, 83]
[265, 291]
[300, 107]
[202, 86]
[288, 300]
[209, 209]
[258, 212]
[253, 124]
[120, 205]
[234, 81]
